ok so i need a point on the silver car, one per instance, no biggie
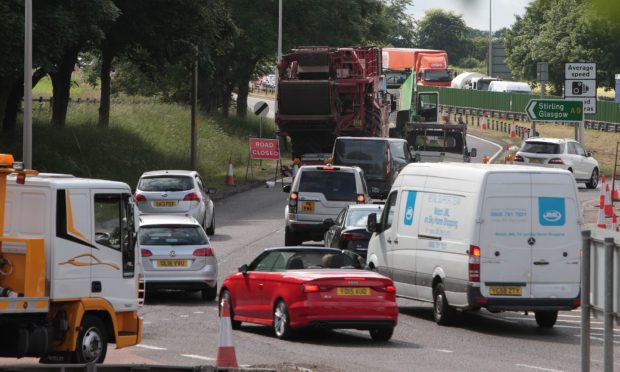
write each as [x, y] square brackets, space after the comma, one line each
[176, 254]
[176, 192]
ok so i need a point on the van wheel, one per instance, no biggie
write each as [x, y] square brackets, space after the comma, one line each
[381, 334]
[546, 319]
[92, 342]
[291, 238]
[443, 313]
[593, 180]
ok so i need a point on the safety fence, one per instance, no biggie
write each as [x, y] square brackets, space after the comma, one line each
[514, 104]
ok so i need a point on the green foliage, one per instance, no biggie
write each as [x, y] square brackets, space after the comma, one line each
[443, 30]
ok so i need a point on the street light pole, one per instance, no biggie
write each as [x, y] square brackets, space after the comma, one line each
[490, 69]
[27, 139]
[194, 139]
[275, 104]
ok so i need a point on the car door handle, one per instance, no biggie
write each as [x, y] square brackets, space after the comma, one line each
[260, 285]
[389, 240]
[396, 241]
[541, 262]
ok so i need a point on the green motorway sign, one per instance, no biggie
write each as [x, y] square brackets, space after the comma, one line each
[554, 110]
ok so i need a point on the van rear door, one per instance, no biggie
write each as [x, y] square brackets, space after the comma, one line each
[505, 255]
[556, 236]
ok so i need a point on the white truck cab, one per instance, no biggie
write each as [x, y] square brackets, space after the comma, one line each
[468, 236]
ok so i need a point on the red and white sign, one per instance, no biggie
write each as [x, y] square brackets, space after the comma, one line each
[263, 148]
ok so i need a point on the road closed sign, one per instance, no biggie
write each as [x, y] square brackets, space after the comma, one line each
[263, 148]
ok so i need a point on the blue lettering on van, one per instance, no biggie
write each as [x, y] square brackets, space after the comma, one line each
[551, 211]
[410, 207]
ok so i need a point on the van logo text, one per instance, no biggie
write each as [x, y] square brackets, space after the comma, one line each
[552, 216]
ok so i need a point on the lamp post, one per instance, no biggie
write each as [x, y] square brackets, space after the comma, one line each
[27, 139]
[490, 69]
[194, 127]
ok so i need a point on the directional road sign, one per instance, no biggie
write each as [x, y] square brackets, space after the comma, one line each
[554, 110]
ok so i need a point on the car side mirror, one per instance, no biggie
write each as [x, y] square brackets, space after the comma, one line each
[211, 191]
[473, 152]
[329, 222]
[371, 224]
[243, 269]
[589, 154]
[286, 188]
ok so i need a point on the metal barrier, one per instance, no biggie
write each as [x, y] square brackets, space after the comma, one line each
[600, 269]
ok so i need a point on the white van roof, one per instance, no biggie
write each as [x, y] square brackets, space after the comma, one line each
[471, 171]
[64, 181]
[509, 86]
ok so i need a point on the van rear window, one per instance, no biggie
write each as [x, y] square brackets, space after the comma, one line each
[370, 155]
[336, 186]
[541, 148]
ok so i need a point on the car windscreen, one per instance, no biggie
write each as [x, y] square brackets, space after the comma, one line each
[541, 148]
[166, 183]
[358, 218]
[436, 140]
[436, 75]
[172, 235]
[370, 155]
[334, 185]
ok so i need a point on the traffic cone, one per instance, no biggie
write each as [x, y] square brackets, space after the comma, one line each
[230, 178]
[226, 356]
[601, 195]
[483, 125]
[601, 213]
[513, 129]
[609, 206]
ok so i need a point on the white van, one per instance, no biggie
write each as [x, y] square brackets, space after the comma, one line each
[510, 87]
[502, 237]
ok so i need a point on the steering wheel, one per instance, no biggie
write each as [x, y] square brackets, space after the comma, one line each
[102, 237]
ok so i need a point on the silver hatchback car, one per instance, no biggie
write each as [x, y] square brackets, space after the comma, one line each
[176, 254]
[176, 192]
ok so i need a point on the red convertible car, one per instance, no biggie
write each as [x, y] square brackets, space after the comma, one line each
[296, 287]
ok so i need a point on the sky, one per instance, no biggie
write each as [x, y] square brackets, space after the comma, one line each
[475, 12]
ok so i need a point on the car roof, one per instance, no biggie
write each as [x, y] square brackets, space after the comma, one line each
[365, 206]
[172, 172]
[167, 219]
[337, 168]
[303, 249]
[549, 140]
[388, 139]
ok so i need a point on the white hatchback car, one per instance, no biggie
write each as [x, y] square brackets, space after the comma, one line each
[176, 254]
[319, 193]
[176, 192]
[560, 153]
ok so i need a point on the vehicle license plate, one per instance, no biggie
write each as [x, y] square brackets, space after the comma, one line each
[536, 160]
[505, 291]
[307, 206]
[353, 291]
[165, 203]
[172, 263]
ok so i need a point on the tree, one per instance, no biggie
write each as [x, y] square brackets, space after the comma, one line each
[443, 30]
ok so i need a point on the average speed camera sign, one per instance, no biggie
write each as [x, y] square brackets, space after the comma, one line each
[580, 84]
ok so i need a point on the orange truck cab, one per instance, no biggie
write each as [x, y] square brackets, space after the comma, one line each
[430, 66]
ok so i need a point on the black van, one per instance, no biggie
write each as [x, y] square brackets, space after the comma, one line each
[380, 158]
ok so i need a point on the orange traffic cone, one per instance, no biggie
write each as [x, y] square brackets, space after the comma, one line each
[230, 178]
[513, 129]
[609, 206]
[601, 213]
[483, 125]
[226, 356]
[601, 195]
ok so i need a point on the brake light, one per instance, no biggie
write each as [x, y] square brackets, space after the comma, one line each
[518, 158]
[292, 202]
[474, 263]
[327, 167]
[576, 302]
[360, 199]
[352, 236]
[310, 288]
[145, 253]
[193, 196]
[203, 252]
[556, 161]
[390, 289]
[139, 197]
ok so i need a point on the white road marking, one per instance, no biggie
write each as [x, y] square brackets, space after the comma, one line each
[184, 316]
[198, 357]
[598, 339]
[165, 319]
[559, 320]
[444, 350]
[539, 368]
[147, 323]
[498, 153]
[151, 347]
[199, 312]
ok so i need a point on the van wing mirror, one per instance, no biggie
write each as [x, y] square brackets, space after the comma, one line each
[286, 188]
[371, 224]
[473, 152]
[589, 154]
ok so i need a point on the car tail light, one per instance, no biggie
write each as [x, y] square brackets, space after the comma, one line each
[21, 179]
[292, 202]
[474, 263]
[139, 197]
[390, 289]
[352, 236]
[388, 171]
[556, 161]
[327, 167]
[576, 302]
[360, 199]
[203, 252]
[518, 158]
[193, 196]
[310, 288]
[145, 253]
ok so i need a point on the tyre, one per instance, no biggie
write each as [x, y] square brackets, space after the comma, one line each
[381, 334]
[546, 319]
[593, 182]
[281, 321]
[211, 229]
[234, 323]
[443, 313]
[92, 341]
[209, 293]
[291, 238]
